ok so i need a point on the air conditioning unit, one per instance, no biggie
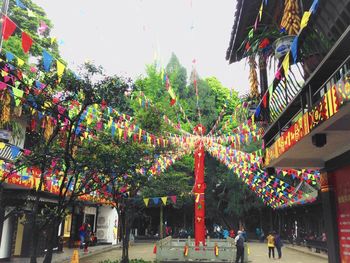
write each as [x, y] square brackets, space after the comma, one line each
[101, 234]
[101, 221]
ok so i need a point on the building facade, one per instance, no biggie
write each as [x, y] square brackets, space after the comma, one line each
[306, 105]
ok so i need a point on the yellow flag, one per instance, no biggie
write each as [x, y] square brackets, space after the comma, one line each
[20, 62]
[164, 199]
[37, 182]
[261, 11]
[2, 146]
[53, 40]
[31, 13]
[60, 70]
[146, 200]
[120, 132]
[305, 19]
[285, 64]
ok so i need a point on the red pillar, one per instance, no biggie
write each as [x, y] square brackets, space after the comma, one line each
[199, 189]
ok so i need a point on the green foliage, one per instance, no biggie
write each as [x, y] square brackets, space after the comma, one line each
[177, 75]
[30, 26]
[228, 199]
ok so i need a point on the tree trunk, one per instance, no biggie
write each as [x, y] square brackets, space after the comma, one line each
[52, 239]
[35, 241]
[161, 236]
[125, 238]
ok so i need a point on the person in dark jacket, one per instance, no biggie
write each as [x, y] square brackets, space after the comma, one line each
[239, 241]
[87, 237]
[278, 245]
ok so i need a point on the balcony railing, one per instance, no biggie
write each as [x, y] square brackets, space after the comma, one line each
[321, 105]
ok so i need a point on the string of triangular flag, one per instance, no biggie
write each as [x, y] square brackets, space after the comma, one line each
[156, 200]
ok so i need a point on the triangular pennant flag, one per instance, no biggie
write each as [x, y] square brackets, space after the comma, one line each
[314, 6]
[261, 11]
[60, 70]
[285, 64]
[3, 86]
[173, 198]
[8, 27]
[294, 49]
[20, 62]
[53, 40]
[164, 199]
[305, 19]
[146, 201]
[9, 56]
[14, 151]
[27, 42]
[251, 33]
[156, 200]
[31, 13]
[18, 95]
[47, 60]
[20, 4]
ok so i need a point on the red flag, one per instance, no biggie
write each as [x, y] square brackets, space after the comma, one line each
[172, 102]
[173, 198]
[265, 100]
[8, 27]
[27, 42]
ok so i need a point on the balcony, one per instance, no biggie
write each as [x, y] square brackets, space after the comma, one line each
[314, 111]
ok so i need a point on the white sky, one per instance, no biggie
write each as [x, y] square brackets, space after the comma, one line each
[125, 35]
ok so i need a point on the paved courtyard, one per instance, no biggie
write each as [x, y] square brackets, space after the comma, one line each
[258, 254]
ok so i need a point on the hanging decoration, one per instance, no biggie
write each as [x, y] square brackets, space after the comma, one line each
[291, 20]
[156, 200]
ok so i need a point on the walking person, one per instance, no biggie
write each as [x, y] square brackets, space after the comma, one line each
[271, 244]
[82, 235]
[87, 237]
[279, 245]
[239, 241]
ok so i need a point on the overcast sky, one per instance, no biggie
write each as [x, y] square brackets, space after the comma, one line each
[124, 35]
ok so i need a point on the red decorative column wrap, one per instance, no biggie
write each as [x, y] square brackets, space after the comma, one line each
[199, 189]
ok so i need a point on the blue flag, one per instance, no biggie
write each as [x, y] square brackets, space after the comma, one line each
[47, 60]
[156, 200]
[294, 49]
[14, 151]
[20, 4]
[10, 56]
[314, 6]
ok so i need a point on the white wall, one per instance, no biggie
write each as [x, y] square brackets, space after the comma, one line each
[107, 219]
[5, 247]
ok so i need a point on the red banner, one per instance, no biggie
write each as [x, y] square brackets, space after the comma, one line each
[342, 187]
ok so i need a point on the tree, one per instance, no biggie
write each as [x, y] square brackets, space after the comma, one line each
[29, 21]
[229, 201]
[177, 75]
[206, 102]
[66, 111]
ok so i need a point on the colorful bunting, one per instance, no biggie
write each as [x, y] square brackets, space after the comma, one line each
[27, 42]
[305, 20]
[47, 60]
[164, 199]
[146, 201]
[60, 70]
[18, 94]
[20, 4]
[8, 27]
